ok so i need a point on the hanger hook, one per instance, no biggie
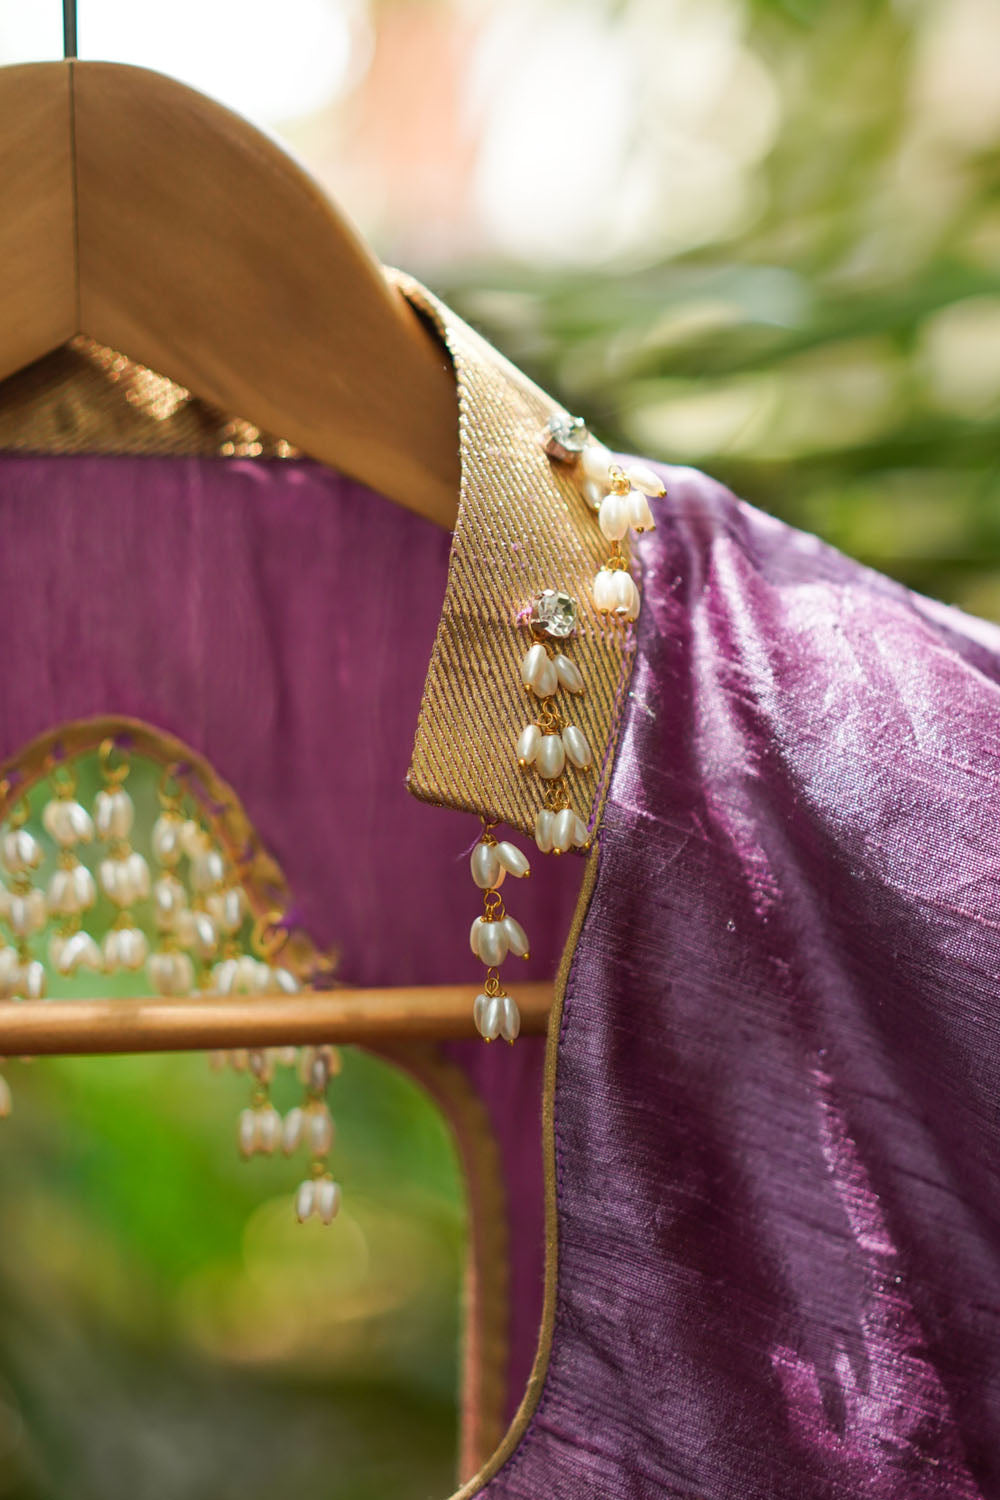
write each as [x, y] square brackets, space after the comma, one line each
[69, 28]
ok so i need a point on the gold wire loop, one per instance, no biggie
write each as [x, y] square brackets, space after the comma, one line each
[268, 936]
[114, 774]
[169, 790]
[62, 778]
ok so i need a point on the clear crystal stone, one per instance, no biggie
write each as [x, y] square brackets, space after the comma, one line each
[565, 436]
[555, 613]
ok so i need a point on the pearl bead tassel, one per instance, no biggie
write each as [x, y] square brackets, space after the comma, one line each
[497, 1016]
[67, 822]
[538, 672]
[72, 889]
[512, 860]
[114, 814]
[20, 851]
[550, 758]
[318, 1197]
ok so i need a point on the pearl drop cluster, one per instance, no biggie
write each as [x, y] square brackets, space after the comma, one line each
[619, 494]
[262, 1131]
[495, 935]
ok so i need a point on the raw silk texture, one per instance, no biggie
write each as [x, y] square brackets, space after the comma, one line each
[776, 1113]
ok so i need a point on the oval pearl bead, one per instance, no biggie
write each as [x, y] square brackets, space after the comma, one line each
[479, 1010]
[226, 908]
[626, 596]
[551, 757]
[594, 491]
[580, 832]
[512, 860]
[305, 1201]
[637, 510]
[125, 948]
[208, 870]
[246, 1133]
[510, 1019]
[492, 943]
[21, 851]
[169, 900]
[285, 983]
[517, 938]
[318, 1132]
[171, 973]
[577, 749]
[604, 590]
[166, 839]
[291, 1135]
[78, 951]
[613, 517]
[595, 462]
[196, 930]
[114, 814]
[224, 976]
[31, 980]
[644, 479]
[193, 838]
[527, 744]
[562, 831]
[492, 1015]
[487, 870]
[327, 1200]
[543, 830]
[538, 672]
[67, 822]
[27, 913]
[268, 1129]
[568, 674]
[474, 931]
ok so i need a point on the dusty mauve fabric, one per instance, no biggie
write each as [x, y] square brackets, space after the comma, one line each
[777, 1102]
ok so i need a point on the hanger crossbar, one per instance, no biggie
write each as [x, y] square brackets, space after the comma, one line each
[206, 1023]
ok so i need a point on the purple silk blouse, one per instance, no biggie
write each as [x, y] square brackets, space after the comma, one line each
[776, 1097]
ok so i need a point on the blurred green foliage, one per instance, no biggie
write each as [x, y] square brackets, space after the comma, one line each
[836, 357]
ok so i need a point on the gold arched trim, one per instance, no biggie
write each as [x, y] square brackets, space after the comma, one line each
[258, 871]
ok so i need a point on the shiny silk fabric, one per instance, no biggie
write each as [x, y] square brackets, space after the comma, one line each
[777, 1106]
[776, 1101]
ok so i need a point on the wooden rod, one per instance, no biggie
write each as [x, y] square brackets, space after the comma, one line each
[202, 1024]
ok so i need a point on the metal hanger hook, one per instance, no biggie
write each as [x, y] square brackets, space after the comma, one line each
[69, 29]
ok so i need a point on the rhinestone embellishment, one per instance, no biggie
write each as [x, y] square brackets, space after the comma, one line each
[565, 437]
[554, 613]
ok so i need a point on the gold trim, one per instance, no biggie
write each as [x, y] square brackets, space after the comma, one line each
[539, 1370]
[258, 871]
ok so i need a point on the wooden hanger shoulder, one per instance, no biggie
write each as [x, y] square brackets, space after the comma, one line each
[161, 224]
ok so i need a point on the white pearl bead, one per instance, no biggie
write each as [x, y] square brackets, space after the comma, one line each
[319, 1132]
[31, 980]
[474, 936]
[166, 838]
[487, 870]
[268, 1129]
[492, 943]
[479, 1010]
[246, 1133]
[114, 814]
[551, 757]
[169, 900]
[327, 1200]
[512, 860]
[67, 822]
[543, 830]
[305, 1201]
[594, 491]
[613, 517]
[626, 595]
[227, 908]
[292, 1131]
[193, 838]
[208, 870]
[562, 831]
[490, 1019]
[568, 674]
[517, 938]
[27, 913]
[510, 1019]
[604, 590]
[125, 948]
[21, 851]
[248, 974]
[171, 973]
[6, 1102]
[527, 744]
[318, 1073]
[637, 511]
[595, 462]
[538, 672]
[196, 930]
[71, 890]
[285, 983]
[577, 749]
[224, 976]
[644, 479]
[580, 832]
[78, 951]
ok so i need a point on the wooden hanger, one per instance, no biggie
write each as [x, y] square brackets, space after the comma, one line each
[159, 223]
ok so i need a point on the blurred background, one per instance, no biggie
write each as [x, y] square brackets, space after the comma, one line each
[758, 236]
